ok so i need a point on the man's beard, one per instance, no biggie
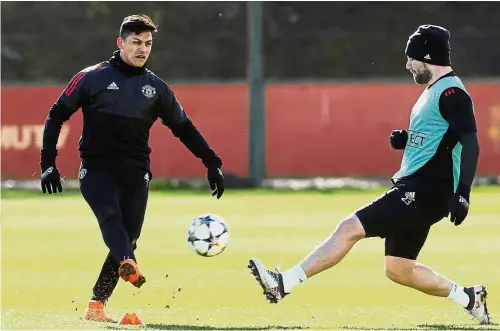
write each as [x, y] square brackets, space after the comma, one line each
[422, 77]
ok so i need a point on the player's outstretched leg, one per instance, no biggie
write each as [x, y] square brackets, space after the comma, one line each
[409, 273]
[276, 285]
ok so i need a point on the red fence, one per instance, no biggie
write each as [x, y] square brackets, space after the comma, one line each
[312, 129]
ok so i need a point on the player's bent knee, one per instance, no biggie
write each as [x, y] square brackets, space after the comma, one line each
[351, 228]
[399, 270]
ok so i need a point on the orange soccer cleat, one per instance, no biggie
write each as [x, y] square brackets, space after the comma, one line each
[95, 312]
[129, 272]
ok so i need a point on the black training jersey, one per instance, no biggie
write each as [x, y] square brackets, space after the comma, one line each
[120, 103]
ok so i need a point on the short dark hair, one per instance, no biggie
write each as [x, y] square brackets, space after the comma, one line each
[136, 24]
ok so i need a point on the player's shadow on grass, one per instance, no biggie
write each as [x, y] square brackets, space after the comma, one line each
[160, 326]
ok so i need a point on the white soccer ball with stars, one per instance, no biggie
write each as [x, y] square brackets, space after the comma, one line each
[208, 235]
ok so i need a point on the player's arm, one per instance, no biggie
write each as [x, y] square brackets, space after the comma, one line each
[66, 105]
[174, 117]
[456, 108]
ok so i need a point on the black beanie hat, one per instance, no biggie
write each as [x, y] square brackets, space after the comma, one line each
[430, 44]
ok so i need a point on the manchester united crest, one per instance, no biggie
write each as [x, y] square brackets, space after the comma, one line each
[148, 91]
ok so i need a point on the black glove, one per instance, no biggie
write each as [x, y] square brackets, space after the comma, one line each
[51, 180]
[459, 204]
[216, 181]
[398, 139]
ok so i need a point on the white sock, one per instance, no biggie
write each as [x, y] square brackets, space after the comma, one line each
[458, 295]
[292, 277]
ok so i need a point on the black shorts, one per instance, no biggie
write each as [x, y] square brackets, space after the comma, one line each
[405, 214]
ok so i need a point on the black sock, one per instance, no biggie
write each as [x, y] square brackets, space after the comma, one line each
[108, 278]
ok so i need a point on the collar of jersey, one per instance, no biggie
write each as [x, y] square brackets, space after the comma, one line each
[117, 61]
[450, 74]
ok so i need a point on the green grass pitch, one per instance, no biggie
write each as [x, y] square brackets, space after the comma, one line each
[52, 252]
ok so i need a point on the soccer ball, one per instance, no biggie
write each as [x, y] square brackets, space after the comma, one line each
[208, 235]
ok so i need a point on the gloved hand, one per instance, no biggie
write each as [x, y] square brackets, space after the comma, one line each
[51, 180]
[216, 181]
[398, 139]
[459, 204]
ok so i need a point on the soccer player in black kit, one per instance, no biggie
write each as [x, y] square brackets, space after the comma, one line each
[120, 101]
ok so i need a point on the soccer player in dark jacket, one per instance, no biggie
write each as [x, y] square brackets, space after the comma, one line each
[120, 100]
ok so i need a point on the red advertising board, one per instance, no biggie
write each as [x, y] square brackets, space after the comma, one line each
[343, 129]
[311, 129]
[220, 112]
